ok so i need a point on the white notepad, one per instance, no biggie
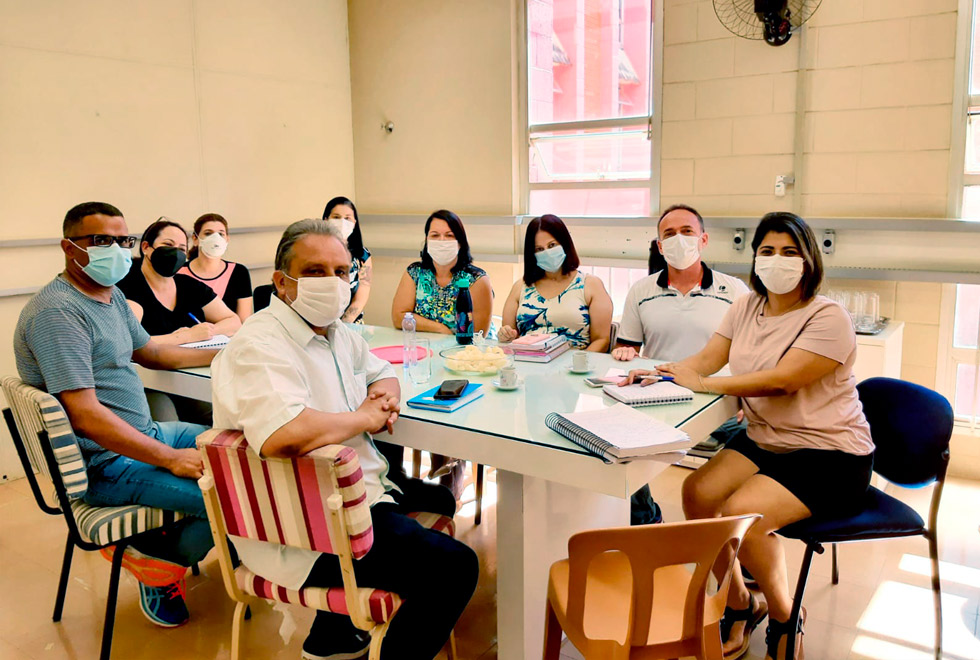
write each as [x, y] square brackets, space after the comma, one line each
[658, 394]
[619, 433]
[218, 341]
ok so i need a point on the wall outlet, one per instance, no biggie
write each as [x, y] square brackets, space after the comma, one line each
[783, 180]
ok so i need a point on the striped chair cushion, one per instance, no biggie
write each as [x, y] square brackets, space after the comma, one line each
[434, 521]
[381, 604]
[285, 501]
[104, 525]
[36, 411]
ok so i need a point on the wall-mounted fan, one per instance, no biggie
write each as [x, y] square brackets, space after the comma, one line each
[771, 20]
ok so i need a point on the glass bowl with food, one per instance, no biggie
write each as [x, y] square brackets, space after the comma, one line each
[474, 360]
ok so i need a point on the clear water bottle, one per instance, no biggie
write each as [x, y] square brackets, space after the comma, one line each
[410, 355]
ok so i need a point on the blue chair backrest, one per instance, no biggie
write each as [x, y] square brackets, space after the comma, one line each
[911, 427]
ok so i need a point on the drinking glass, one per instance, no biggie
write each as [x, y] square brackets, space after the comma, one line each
[855, 306]
[869, 314]
[421, 371]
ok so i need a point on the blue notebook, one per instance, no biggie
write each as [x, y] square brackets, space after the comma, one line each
[427, 401]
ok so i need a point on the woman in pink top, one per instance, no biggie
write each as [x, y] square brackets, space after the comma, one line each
[228, 280]
[807, 450]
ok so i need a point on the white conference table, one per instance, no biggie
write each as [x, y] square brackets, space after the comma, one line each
[548, 487]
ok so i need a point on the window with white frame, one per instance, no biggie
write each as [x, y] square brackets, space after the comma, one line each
[590, 107]
[960, 373]
[971, 171]
[964, 356]
[618, 281]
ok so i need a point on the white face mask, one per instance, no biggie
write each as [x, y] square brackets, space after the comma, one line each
[213, 245]
[681, 251]
[320, 300]
[343, 225]
[779, 274]
[443, 252]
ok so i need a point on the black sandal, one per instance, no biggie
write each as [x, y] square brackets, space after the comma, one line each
[752, 617]
[775, 632]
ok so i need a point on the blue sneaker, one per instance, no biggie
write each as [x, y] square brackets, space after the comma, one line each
[164, 606]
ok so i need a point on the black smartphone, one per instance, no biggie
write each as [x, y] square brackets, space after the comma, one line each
[451, 389]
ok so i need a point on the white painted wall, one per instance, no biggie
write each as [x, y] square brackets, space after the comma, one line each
[178, 107]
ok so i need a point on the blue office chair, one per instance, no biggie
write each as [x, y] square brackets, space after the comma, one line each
[911, 427]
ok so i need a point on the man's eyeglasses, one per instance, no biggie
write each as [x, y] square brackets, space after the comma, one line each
[105, 240]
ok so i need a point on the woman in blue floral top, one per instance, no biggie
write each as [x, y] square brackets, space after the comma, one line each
[428, 291]
[554, 295]
[428, 288]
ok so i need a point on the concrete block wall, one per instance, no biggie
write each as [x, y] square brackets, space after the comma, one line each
[878, 78]
[879, 106]
[728, 114]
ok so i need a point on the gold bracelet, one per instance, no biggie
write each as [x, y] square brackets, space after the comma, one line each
[701, 382]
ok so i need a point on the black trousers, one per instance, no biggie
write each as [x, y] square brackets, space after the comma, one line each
[434, 574]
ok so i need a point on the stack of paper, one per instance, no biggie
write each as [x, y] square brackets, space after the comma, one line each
[538, 348]
[619, 433]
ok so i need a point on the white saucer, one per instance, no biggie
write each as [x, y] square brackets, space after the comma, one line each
[578, 372]
[496, 383]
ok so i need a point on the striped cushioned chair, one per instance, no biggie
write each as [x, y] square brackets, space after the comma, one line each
[46, 444]
[316, 502]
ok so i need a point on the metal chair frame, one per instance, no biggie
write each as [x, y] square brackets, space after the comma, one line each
[74, 535]
[930, 530]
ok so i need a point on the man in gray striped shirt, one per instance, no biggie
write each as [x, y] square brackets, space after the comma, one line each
[77, 339]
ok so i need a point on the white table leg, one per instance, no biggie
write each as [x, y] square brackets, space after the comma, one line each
[535, 519]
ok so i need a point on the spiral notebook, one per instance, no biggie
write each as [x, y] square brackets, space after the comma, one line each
[618, 433]
[218, 341]
[658, 394]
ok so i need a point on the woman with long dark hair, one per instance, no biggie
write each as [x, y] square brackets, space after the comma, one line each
[429, 286]
[229, 281]
[807, 450]
[554, 296]
[341, 212]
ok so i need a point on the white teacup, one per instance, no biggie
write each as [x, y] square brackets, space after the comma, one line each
[508, 377]
[580, 361]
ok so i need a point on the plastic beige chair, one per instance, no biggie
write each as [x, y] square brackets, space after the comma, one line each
[627, 593]
[315, 502]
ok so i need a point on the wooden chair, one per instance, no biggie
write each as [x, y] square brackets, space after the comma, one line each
[627, 593]
[46, 444]
[249, 497]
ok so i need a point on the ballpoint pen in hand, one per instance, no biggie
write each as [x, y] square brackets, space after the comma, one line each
[194, 318]
[650, 380]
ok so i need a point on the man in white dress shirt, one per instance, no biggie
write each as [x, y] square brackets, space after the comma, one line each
[671, 315]
[295, 378]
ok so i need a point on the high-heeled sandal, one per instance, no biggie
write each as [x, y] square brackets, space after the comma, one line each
[752, 615]
[775, 632]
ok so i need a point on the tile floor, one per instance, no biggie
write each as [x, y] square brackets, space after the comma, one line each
[881, 610]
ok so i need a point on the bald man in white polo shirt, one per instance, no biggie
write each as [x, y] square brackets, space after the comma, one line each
[672, 314]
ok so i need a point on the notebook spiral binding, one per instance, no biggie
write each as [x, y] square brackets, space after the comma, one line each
[579, 436]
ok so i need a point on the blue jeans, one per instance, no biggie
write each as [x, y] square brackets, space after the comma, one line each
[125, 480]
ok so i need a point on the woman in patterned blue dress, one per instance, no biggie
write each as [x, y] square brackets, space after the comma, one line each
[554, 295]
[429, 286]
